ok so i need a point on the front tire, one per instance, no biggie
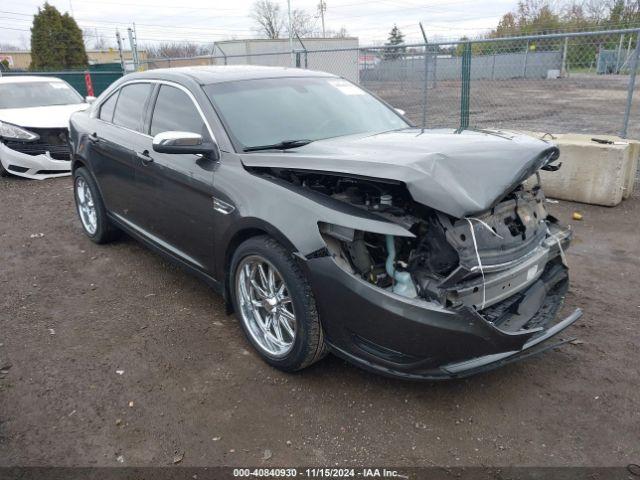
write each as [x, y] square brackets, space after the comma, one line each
[90, 208]
[275, 305]
[3, 171]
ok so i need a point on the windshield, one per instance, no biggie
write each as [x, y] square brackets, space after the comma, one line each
[37, 94]
[276, 110]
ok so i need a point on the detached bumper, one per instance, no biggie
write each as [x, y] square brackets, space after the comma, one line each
[415, 339]
[37, 167]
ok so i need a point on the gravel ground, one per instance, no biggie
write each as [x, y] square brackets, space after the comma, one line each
[111, 356]
[579, 103]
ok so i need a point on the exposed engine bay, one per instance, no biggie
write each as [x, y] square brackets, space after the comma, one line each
[475, 261]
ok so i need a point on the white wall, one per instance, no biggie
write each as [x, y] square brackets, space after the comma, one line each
[343, 63]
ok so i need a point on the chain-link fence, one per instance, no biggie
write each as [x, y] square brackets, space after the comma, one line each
[565, 82]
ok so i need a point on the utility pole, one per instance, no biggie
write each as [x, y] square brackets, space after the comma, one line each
[135, 45]
[119, 39]
[132, 45]
[290, 32]
[322, 7]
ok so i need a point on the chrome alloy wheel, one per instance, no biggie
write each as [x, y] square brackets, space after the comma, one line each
[265, 306]
[86, 206]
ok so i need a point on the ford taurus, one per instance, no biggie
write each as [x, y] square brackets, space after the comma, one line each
[327, 221]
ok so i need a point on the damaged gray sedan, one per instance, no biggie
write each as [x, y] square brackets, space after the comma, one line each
[327, 221]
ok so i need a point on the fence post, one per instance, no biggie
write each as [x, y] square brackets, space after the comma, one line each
[524, 67]
[631, 86]
[493, 67]
[563, 68]
[466, 86]
[426, 86]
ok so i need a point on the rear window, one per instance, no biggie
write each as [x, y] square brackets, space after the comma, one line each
[130, 106]
[108, 107]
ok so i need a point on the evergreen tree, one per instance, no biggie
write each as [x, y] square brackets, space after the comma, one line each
[395, 38]
[75, 55]
[56, 41]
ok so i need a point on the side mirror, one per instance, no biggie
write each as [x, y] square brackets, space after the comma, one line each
[184, 142]
[89, 99]
[400, 111]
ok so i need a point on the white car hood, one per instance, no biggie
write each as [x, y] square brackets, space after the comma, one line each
[56, 116]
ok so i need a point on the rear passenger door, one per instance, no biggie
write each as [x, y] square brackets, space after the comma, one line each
[118, 136]
[177, 207]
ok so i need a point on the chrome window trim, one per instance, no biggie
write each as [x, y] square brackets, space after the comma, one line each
[153, 81]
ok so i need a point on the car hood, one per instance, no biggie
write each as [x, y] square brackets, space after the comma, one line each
[55, 116]
[456, 173]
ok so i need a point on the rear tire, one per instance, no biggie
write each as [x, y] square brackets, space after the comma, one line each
[279, 318]
[90, 208]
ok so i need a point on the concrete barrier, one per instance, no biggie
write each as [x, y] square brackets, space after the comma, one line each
[591, 172]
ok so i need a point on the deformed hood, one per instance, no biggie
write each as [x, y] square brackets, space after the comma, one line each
[456, 173]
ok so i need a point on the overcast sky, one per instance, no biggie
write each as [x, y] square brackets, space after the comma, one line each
[206, 21]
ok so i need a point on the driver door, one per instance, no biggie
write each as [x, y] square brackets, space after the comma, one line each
[178, 188]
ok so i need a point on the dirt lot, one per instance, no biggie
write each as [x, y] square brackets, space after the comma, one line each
[580, 103]
[73, 313]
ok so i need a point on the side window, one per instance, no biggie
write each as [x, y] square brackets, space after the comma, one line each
[130, 108]
[175, 110]
[107, 108]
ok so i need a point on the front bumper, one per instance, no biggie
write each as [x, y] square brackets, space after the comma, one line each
[415, 339]
[37, 167]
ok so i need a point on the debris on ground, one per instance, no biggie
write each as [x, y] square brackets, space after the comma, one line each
[120, 459]
[577, 216]
[120, 372]
[576, 341]
[118, 421]
[177, 457]
[131, 404]
[267, 455]
[36, 235]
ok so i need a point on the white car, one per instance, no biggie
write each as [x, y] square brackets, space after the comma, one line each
[34, 126]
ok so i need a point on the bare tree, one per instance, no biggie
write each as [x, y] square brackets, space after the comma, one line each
[10, 47]
[597, 10]
[342, 33]
[93, 39]
[176, 49]
[268, 18]
[302, 23]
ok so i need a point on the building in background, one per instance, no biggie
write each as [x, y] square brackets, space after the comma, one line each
[20, 60]
[340, 57]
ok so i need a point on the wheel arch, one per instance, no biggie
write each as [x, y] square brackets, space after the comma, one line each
[246, 229]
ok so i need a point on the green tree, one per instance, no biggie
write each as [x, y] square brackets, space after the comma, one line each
[56, 41]
[396, 39]
[75, 55]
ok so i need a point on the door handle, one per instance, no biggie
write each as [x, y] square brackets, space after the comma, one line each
[145, 157]
[94, 138]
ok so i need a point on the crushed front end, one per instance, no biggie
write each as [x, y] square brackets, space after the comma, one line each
[453, 297]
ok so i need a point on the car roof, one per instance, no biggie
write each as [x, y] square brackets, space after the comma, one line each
[208, 74]
[28, 79]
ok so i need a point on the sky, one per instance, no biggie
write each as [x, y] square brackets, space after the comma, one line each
[205, 21]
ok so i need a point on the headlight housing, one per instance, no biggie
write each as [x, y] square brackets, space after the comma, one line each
[9, 131]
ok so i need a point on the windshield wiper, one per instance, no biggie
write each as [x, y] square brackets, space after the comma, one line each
[283, 145]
